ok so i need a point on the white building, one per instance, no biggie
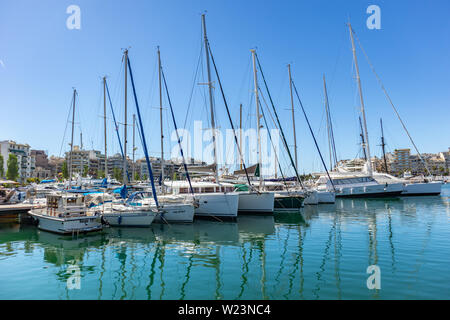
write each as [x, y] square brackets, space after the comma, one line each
[25, 161]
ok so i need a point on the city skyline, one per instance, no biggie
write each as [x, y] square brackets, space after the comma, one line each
[312, 37]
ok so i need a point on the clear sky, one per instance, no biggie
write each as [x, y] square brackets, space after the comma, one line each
[41, 60]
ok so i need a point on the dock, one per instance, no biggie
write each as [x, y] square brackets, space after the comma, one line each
[10, 209]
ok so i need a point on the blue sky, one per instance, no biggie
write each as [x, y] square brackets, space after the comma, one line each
[42, 60]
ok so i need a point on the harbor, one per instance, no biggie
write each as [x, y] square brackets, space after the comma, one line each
[199, 165]
[322, 253]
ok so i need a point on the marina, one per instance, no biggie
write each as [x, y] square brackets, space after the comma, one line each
[188, 155]
[320, 253]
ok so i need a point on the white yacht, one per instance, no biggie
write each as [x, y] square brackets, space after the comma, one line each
[66, 214]
[356, 185]
[171, 210]
[213, 200]
[411, 188]
[125, 215]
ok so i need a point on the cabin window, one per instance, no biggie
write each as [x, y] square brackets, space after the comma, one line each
[71, 201]
[209, 190]
[184, 190]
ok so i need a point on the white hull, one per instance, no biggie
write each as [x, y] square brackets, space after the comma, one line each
[71, 225]
[326, 197]
[416, 189]
[312, 198]
[220, 205]
[376, 190]
[175, 213]
[253, 202]
[130, 219]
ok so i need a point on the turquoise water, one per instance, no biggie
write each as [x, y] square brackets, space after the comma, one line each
[322, 253]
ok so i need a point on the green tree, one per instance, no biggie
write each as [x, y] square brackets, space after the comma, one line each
[100, 174]
[117, 174]
[13, 168]
[137, 177]
[85, 171]
[1, 166]
[65, 171]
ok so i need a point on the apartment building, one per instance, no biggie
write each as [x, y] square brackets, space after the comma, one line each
[26, 162]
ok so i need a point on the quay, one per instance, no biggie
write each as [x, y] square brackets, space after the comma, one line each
[10, 209]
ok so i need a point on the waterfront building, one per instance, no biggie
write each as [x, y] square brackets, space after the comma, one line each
[25, 161]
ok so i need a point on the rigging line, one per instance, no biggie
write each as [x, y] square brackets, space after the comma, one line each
[149, 166]
[312, 133]
[178, 135]
[278, 120]
[271, 141]
[67, 123]
[390, 101]
[193, 82]
[116, 126]
[230, 119]
[270, 113]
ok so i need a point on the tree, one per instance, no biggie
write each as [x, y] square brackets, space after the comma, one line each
[137, 177]
[85, 171]
[13, 168]
[100, 174]
[117, 174]
[1, 166]
[65, 171]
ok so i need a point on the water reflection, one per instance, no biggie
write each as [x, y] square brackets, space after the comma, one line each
[321, 252]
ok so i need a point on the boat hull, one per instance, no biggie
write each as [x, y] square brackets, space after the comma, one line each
[288, 203]
[256, 203]
[73, 225]
[130, 219]
[312, 198]
[371, 191]
[217, 205]
[175, 213]
[422, 189]
[326, 197]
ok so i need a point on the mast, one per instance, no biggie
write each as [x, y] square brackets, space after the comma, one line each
[382, 147]
[125, 169]
[71, 143]
[362, 139]
[211, 100]
[358, 80]
[240, 134]
[161, 121]
[257, 118]
[134, 147]
[328, 122]
[104, 122]
[293, 116]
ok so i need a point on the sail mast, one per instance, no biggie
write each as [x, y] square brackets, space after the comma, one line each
[125, 166]
[161, 120]
[383, 145]
[104, 122]
[240, 135]
[328, 122]
[358, 79]
[293, 116]
[257, 118]
[211, 99]
[134, 148]
[71, 143]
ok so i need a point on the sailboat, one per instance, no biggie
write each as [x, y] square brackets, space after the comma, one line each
[214, 199]
[123, 213]
[66, 213]
[172, 209]
[359, 184]
[256, 200]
